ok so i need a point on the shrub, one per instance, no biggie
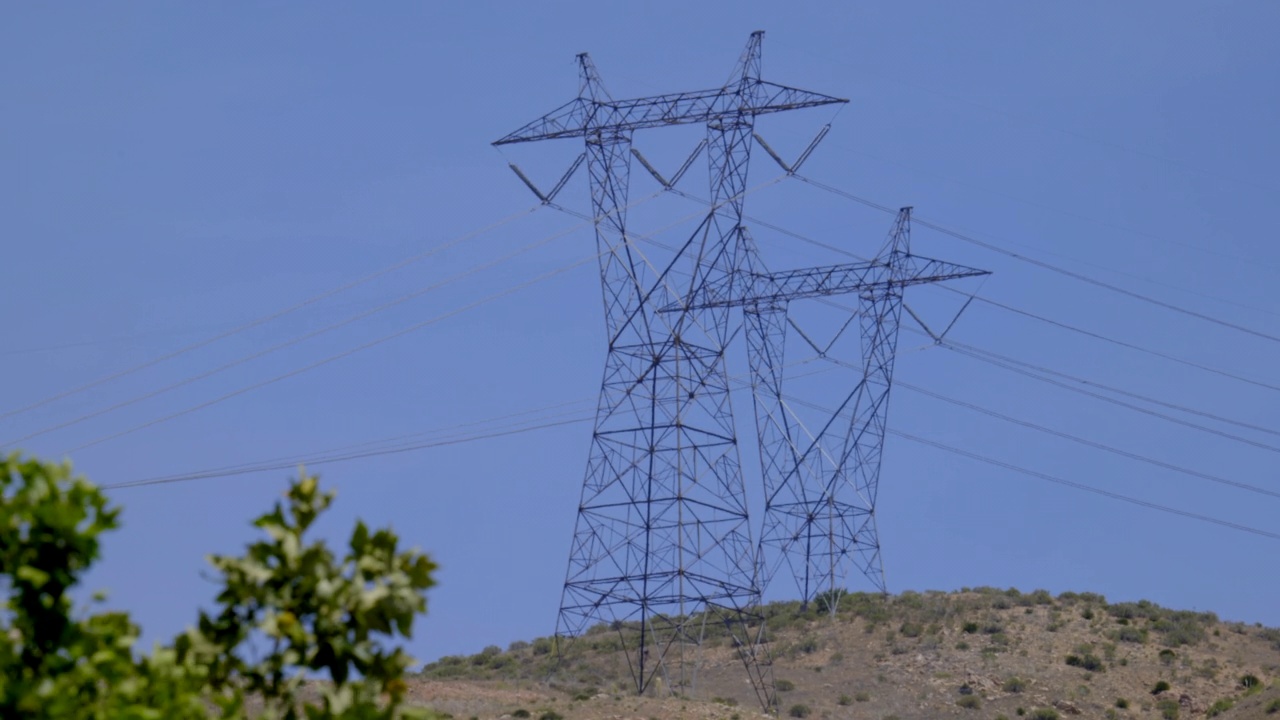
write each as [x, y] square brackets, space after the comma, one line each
[1014, 685]
[1250, 683]
[1122, 703]
[799, 710]
[521, 713]
[1044, 714]
[1087, 613]
[1167, 656]
[1130, 634]
[1088, 661]
[862, 696]
[962, 645]
[1169, 709]
[969, 702]
[1160, 687]
[1220, 707]
[1273, 707]
[844, 700]
[551, 715]
[542, 646]
[785, 685]
[970, 627]
[911, 629]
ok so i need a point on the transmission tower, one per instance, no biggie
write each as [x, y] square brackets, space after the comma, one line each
[821, 483]
[662, 551]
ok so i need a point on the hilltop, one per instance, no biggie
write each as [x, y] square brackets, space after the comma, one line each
[980, 654]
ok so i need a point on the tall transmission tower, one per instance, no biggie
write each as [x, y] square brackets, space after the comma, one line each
[662, 547]
[821, 482]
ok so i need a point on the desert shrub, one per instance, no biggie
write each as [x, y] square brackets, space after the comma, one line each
[1167, 656]
[862, 696]
[1041, 597]
[969, 702]
[962, 645]
[844, 700]
[1044, 714]
[1122, 703]
[1087, 613]
[1088, 661]
[970, 627]
[784, 685]
[542, 646]
[1130, 634]
[799, 710]
[1169, 709]
[1014, 685]
[521, 713]
[808, 645]
[551, 715]
[828, 600]
[1219, 707]
[911, 629]
[1273, 707]
[1250, 683]
[1160, 687]
[730, 702]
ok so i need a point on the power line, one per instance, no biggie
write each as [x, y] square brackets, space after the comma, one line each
[1048, 266]
[300, 338]
[272, 316]
[1086, 488]
[629, 240]
[1087, 442]
[345, 458]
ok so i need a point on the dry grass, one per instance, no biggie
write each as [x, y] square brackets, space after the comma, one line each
[909, 656]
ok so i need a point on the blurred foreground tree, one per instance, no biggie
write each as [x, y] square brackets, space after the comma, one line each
[287, 610]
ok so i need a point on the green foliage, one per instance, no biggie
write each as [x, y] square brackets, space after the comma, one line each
[1044, 714]
[1122, 703]
[1167, 656]
[1273, 707]
[521, 713]
[799, 710]
[1088, 661]
[862, 696]
[784, 685]
[1220, 707]
[1014, 685]
[315, 613]
[970, 627]
[551, 715]
[1250, 683]
[969, 702]
[844, 700]
[1160, 687]
[1169, 709]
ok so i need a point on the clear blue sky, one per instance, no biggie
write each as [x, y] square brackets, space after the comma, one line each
[170, 171]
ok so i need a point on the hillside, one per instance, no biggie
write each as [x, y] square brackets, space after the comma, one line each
[978, 654]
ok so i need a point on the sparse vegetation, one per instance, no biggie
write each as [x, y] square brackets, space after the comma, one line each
[1014, 685]
[799, 710]
[969, 702]
[784, 685]
[1160, 687]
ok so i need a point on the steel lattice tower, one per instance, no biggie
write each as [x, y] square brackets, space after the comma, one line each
[662, 548]
[821, 486]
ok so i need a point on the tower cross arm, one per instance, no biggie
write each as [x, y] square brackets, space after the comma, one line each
[582, 117]
[898, 269]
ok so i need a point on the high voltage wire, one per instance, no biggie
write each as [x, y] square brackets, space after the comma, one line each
[272, 316]
[629, 240]
[1087, 488]
[970, 349]
[1046, 265]
[335, 357]
[1065, 482]
[1073, 438]
[299, 338]
[1009, 308]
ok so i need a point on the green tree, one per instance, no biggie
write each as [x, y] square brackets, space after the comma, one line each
[305, 611]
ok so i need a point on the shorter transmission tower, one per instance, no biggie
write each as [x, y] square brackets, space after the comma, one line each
[821, 483]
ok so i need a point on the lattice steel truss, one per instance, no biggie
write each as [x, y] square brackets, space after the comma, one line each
[662, 552]
[821, 484]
